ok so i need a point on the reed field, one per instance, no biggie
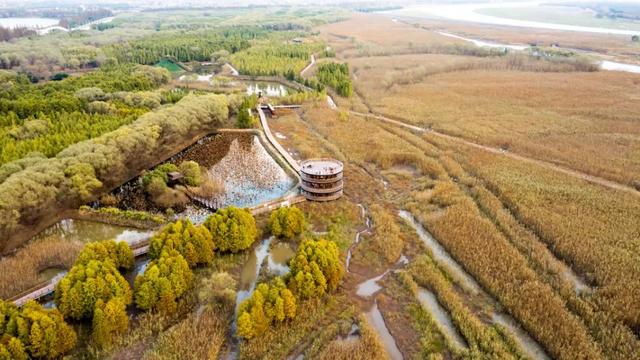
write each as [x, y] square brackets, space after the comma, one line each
[480, 222]
[557, 111]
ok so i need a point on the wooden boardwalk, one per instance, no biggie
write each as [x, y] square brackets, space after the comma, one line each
[267, 132]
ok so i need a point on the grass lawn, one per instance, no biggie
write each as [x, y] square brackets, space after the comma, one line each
[170, 65]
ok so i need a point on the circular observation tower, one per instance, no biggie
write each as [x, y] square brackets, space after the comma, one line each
[321, 179]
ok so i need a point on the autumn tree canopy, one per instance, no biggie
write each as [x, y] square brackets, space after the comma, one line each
[119, 253]
[33, 332]
[110, 319]
[316, 268]
[269, 304]
[193, 242]
[164, 281]
[287, 222]
[78, 292]
[232, 229]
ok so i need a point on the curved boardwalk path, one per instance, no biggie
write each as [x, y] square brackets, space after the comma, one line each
[272, 140]
[549, 165]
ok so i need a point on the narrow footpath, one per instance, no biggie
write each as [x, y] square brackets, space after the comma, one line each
[313, 62]
[571, 172]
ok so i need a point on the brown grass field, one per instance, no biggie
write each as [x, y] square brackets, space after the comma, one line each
[480, 218]
[582, 120]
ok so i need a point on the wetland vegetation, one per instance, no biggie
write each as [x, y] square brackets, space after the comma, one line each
[489, 209]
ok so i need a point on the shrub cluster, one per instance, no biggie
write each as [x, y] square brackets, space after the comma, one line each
[33, 332]
[232, 229]
[127, 214]
[189, 169]
[287, 222]
[156, 182]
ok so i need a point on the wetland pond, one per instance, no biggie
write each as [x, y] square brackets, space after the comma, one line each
[243, 172]
[239, 161]
[88, 231]
[276, 255]
[267, 88]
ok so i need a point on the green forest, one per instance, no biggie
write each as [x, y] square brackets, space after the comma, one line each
[275, 58]
[184, 46]
[46, 118]
[335, 76]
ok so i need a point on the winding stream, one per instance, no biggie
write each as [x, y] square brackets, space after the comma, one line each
[367, 221]
[526, 342]
[371, 286]
[481, 43]
[441, 255]
[604, 64]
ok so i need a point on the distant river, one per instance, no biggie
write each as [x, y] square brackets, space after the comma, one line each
[604, 65]
[27, 22]
[467, 12]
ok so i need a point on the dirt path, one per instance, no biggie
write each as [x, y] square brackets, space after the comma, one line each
[571, 172]
[313, 62]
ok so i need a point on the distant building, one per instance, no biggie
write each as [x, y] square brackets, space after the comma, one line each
[321, 179]
[174, 178]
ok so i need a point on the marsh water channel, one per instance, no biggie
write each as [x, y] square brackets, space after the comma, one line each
[528, 345]
[604, 64]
